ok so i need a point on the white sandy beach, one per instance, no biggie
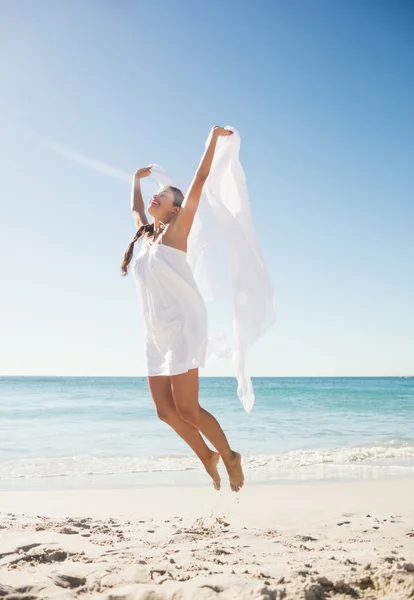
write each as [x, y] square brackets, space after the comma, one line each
[338, 540]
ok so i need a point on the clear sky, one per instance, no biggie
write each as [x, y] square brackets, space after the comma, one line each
[322, 93]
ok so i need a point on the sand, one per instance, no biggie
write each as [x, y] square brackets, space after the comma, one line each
[338, 540]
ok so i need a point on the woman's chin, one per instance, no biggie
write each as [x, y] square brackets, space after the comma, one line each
[152, 210]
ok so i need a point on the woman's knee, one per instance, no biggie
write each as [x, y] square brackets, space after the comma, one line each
[191, 414]
[166, 414]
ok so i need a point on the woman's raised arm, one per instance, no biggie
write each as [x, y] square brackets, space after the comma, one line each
[137, 202]
[191, 201]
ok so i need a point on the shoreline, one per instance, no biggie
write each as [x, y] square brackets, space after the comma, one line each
[197, 478]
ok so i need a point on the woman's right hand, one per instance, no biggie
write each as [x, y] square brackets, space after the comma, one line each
[141, 173]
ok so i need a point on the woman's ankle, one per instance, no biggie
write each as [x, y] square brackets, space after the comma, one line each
[228, 456]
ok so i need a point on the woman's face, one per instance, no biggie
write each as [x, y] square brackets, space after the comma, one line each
[161, 203]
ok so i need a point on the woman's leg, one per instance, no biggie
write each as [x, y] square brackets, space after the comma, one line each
[160, 388]
[185, 393]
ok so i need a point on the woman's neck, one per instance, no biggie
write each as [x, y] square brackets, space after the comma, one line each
[159, 226]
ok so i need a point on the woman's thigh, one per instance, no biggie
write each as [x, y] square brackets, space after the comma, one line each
[160, 388]
[185, 389]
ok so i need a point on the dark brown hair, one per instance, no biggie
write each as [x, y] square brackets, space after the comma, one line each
[178, 195]
[148, 228]
[129, 252]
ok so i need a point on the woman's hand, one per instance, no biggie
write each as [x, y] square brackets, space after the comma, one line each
[217, 131]
[141, 173]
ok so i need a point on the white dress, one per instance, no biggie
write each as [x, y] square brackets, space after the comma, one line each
[175, 315]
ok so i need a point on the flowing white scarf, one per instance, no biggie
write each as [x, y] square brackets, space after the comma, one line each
[226, 261]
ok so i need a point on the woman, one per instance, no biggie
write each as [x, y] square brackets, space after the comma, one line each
[175, 315]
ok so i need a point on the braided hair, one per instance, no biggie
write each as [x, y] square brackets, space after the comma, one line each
[126, 259]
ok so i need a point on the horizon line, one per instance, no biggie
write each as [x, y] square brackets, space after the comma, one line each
[217, 376]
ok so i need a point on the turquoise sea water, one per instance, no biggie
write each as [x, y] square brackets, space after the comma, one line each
[86, 431]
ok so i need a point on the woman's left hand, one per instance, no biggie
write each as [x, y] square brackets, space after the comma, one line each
[220, 131]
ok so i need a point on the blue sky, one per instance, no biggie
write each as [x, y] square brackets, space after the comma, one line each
[322, 94]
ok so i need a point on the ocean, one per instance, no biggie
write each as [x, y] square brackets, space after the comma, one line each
[76, 432]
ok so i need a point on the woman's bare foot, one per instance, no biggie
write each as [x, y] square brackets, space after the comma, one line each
[210, 466]
[235, 471]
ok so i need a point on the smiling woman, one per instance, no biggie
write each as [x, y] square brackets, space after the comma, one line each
[175, 315]
[169, 193]
[177, 271]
